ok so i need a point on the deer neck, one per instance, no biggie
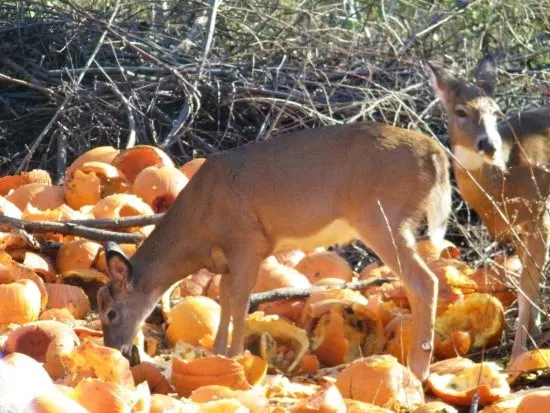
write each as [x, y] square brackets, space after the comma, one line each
[164, 259]
[480, 183]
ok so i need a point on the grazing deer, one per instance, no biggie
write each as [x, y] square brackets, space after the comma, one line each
[366, 181]
[500, 172]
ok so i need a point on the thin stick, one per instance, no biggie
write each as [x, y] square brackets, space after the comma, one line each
[289, 293]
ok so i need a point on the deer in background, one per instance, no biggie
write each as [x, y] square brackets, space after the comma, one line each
[500, 172]
[366, 181]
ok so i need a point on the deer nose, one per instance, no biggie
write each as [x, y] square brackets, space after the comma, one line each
[485, 145]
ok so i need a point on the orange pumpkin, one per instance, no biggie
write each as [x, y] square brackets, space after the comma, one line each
[251, 399]
[76, 254]
[132, 161]
[326, 400]
[537, 359]
[45, 341]
[324, 264]
[194, 320]
[8, 209]
[159, 186]
[21, 302]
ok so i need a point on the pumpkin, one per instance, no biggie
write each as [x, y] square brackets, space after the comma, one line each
[21, 302]
[324, 264]
[159, 186]
[45, 341]
[191, 167]
[39, 196]
[99, 154]
[132, 161]
[70, 297]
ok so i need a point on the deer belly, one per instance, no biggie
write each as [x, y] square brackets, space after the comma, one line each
[337, 232]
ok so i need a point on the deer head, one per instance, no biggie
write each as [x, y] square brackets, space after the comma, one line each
[471, 112]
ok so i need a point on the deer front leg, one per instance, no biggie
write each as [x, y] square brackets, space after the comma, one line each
[244, 271]
[533, 257]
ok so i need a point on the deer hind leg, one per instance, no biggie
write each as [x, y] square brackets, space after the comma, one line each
[396, 248]
[220, 343]
[533, 255]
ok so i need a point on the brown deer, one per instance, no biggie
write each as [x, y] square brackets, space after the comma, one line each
[366, 181]
[500, 172]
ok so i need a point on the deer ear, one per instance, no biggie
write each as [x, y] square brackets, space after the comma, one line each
[119, 268]
[441, 81]
[486, 74]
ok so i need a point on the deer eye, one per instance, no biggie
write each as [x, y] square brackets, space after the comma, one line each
[461, 113]
[112, 315]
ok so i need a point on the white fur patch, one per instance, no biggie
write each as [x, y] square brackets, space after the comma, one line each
[470, 159]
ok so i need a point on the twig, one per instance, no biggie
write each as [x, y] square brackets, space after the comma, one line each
[114, 223]
[288, 293]
[71, 228]
[67, 99]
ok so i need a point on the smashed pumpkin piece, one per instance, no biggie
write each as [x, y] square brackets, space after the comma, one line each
[99, 154]
[428, 251]
[458, 386]
[398, 340]
[54, 402]
[62, 315]
[191, 375]
[480, 315]
[347, 333]
[41, 264]
[356, 406]
[150, 373]
[535, 401]
[326, 400]
[161, 403]
[40, 196]
[89, 279]
[92, 182]
[529, 361]
[266, 334]
[90, 360]
[252, 399]
[500, 278]
[381, 380]
[98, 396]
[255, 368]
[11, 270]
[273, 275]
[45, 341]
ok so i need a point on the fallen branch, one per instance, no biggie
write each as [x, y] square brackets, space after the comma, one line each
[289, 293]
[83, 228]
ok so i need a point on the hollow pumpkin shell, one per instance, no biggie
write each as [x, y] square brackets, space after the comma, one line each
[100, 154]
[326, 400]
[159, 186]
[45, 341]
[148, 372]
[95, 361]
[92, 182]
[251, 399]
[54, 403]
[97, 396]
[69, 297]
[132, 161]
[191, 375]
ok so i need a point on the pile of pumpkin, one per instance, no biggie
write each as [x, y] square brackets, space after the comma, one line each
[337, 350]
